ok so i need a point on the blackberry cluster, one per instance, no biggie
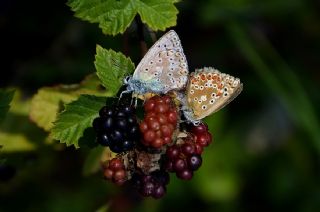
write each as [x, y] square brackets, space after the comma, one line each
[115, 171]
[152, 185]
[201, 135]
[117, 127]
[160, 121]
[183, 160]
[164, 146]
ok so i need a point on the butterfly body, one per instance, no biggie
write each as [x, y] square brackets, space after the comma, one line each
[163, 68]
[208, 91]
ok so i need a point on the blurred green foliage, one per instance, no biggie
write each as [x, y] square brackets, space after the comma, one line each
[265, 154]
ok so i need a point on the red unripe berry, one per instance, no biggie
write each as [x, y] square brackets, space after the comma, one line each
[198, 149]
[150, 119]
[116, 164]
[201, 128]
[167, 140]
[154, 125]
[161, 108]
[185, 174]
[158, 134]
[157, 143]
[149, 105]
[166, 99]
[173, 152]
[149, 136]
[108, 173]
[172, 117]
[179, 165]
[203, 139]
[188, 148]
[166, 130]
[143, 127]
[119, 175]
[158, 100]
[162, 119]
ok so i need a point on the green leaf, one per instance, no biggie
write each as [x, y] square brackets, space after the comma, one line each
[112, 67]
[49, 101]
[5, 99]
[158, 14]
[77, 116]
[114, 16]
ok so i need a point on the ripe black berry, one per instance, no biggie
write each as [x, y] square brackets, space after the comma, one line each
[103, 139]
[116, 136]
[121, 123]
[194, 162]
[106, 112]
[107, 123]
[127, 145]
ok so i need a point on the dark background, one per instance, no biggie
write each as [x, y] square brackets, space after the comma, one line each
[265, 154]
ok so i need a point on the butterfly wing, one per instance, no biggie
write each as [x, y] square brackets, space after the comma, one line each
[164, 67]
[209, 90]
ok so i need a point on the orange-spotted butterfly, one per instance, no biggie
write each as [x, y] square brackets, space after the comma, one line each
[209, 90]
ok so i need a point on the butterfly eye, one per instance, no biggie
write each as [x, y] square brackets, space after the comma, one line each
[204, 107]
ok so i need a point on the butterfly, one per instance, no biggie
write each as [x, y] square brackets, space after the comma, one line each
[209, 90]
[162, 69]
